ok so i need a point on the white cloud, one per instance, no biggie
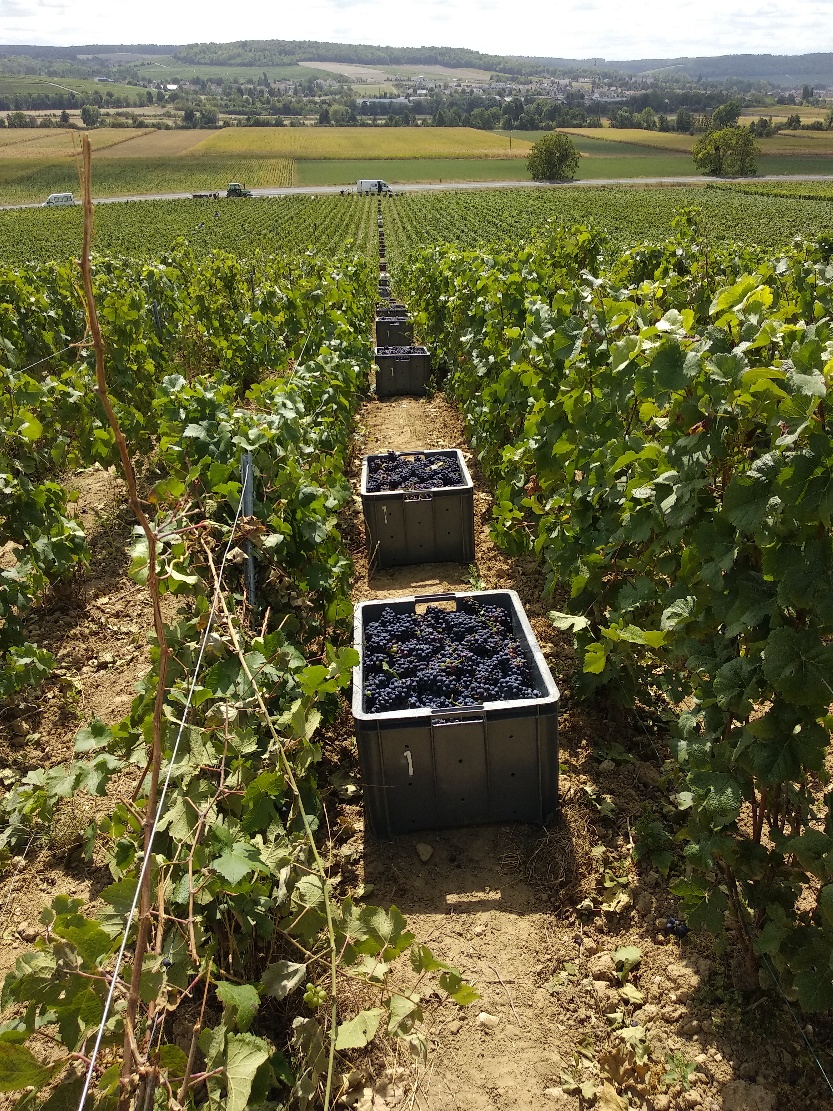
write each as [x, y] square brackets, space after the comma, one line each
[598, 28]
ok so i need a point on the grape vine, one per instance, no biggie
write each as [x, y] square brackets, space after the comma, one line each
[656, 428]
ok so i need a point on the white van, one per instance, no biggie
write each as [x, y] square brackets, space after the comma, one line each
[55, 200]
[372, 185]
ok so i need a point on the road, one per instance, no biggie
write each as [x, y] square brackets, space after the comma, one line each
[444, 186]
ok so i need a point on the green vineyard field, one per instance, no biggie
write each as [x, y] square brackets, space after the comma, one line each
[143, 229]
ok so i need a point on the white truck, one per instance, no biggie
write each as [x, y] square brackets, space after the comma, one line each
[57, 200]
[373, 185]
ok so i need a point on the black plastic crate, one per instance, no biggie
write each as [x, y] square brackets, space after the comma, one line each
[394, 330]
[440, 769]
[419, 526]
[391, 308]
[402, 372]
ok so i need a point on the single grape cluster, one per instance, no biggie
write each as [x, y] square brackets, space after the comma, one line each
[412, 471]
[314, 996]
[444, 659]
[675, 927]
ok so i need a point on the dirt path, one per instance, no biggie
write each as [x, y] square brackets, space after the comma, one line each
[467, 901]
[533, 918]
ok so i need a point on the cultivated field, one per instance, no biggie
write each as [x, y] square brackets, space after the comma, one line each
[164, 66]
[38, 143]
[787, 143]
[361, 73]
[12, 85]
[25, 181]
[162, 144]
[362, 142]
[144, 229]
[346, 171]
[34, 163]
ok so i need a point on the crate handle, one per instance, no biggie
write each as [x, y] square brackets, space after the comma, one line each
[420, 598]
[457, 717]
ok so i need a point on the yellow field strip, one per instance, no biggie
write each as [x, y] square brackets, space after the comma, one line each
[361, 142]
[786, 143]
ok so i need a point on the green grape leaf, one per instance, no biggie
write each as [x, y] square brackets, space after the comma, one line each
[244, 1055]
[358, 1031]
[240, 1002]
[282, 977]
[20, 1069]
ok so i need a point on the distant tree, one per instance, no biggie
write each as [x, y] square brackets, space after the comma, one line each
[730, 152]
[647, 119]
[554, 156]
[324, 116]
[725, 115]
[2, 121]
[90, 115]
[663, 123]
[65, 116]
[513, 111]
[624, 118]
[22, 119]
[684, 121]
[793, 122]
[807, 94]
[828, 120]
[761, 128]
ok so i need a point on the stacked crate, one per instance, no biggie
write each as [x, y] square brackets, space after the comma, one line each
[402, 367]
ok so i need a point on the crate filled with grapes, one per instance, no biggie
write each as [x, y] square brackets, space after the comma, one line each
[402, 369]
[394, 330]
[418, 508]
[391, 307]
[456, 713]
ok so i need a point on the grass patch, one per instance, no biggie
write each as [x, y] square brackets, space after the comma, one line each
[402, 171]
[29, 85]
[22, 181]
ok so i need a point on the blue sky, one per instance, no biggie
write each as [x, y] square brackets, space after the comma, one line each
[562, 28]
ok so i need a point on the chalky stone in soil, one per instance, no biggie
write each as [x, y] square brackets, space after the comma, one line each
[421, 471]
[444, 658]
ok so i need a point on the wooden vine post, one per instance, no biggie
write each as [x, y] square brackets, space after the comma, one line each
[155, 762]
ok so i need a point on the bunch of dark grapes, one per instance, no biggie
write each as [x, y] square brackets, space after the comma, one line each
[443, 658]
[419, 471]
[675, 927]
